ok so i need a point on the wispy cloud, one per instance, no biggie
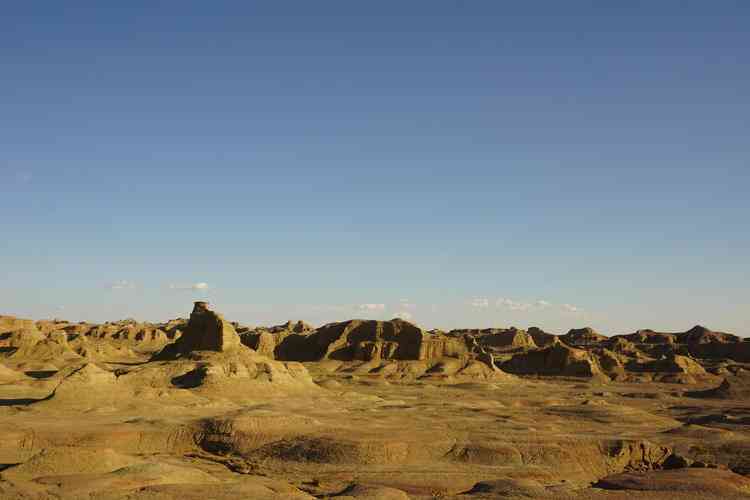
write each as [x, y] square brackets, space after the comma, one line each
[371, 307]
[121, 285]
[513, 305]
[521, 306]
[572, 309]
[406, 315]
[480, 303]
[195, 286]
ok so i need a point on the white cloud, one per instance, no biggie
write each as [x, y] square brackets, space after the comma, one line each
[513, 305]
[572, 309]
[517, 305]
[195, 286]
[371, 307]
[480, 303]
[406, 315]
[122, 285]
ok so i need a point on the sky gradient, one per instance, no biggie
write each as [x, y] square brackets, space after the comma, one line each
[475, 164]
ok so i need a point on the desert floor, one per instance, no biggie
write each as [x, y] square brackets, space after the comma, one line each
[85, 434]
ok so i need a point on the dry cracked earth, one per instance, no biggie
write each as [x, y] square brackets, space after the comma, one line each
[203, 408]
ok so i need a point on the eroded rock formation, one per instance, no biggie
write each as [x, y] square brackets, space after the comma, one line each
[207, 331]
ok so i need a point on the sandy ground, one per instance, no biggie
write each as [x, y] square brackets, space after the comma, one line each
[94, 434]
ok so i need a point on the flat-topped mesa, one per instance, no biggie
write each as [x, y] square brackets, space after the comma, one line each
[207, 331]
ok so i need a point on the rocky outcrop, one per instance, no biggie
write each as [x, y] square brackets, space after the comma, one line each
[263, 342]
[612, 363]
[557, 359]
[649, 337]
[581, 337]
[621, 345]
[540, 337]
[702, 335]
[367, 340]
[293, 327]
[673, 368]
[272, 341]
[510, 339]
[671, 364]
[12, 324]
[207, 331]
[385, 348]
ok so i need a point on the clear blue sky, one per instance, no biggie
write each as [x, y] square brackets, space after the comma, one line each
[466, 163]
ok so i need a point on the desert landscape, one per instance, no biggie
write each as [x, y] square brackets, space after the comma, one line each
[203, 407]
[427, 250]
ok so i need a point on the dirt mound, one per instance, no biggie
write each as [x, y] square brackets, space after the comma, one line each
[241, 433]
[142, 336]
[238, 372]
[368, 492]
[101, 350]
[9, 375]
[509, 488]
[713, 483]
[558, 359]
[70, 460]
[250, 487]
[446, 369]
[730, 388]
[31, 345]
[85, 383]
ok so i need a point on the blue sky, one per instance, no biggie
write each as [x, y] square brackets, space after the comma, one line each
[461, 163]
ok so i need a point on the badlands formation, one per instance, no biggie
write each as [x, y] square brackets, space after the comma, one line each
[208, 409]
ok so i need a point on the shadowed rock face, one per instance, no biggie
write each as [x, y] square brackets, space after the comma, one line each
[578, 337]
[499, 338]
[702, 335]
[540, 337]
[369, 340]
[557, 359]
[207, 331]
